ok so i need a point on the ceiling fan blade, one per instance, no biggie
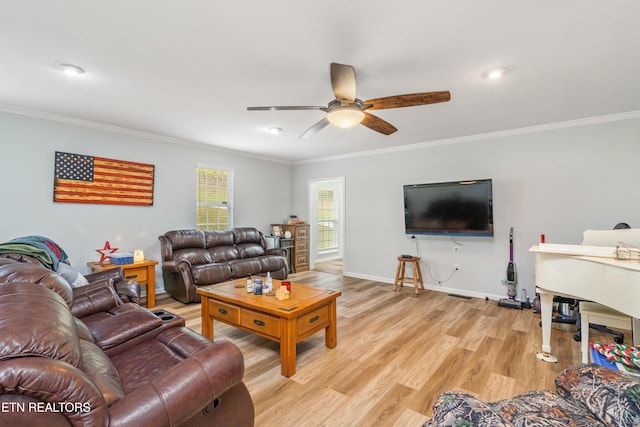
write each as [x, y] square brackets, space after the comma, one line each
[287, 107]
[343, 82]
[377, 124]
[409, 100]
[315, 128]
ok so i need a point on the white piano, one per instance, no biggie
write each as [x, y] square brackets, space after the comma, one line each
[588, 272]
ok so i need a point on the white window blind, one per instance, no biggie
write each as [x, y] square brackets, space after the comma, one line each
[327, 214]
[214, 196]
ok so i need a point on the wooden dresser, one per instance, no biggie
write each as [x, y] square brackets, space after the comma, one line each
[300, 236]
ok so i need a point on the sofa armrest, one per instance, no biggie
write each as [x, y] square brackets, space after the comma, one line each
[50, 381]
[204, 377]
[130, 321]
[128, 290]
[181, 267]
[115, 274]
[277, 251]
[176, 266]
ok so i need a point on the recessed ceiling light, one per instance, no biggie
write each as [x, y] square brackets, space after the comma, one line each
[275, 130]
[496, 73]
[71, 70]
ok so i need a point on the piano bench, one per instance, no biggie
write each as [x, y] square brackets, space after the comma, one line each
[591, 312]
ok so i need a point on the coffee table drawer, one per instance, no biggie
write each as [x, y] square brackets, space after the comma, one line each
[261, 322]
[226, 312]
[316, 319]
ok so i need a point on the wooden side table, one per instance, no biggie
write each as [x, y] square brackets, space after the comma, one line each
[416, 279]
[142, 272]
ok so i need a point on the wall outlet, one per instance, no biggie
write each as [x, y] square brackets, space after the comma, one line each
[456, 266]
[456, 250]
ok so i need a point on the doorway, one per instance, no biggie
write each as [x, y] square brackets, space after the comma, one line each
[326, 205]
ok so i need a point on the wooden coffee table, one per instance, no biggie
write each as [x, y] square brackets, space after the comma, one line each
[307, 311]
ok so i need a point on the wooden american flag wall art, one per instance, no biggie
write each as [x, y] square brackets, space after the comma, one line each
[87, 179]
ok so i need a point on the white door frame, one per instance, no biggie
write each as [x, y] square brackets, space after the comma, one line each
[313, 221]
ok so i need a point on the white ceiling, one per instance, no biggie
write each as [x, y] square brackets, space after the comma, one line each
[188, 69]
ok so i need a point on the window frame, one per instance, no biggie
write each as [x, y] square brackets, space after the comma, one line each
[216, 223]
[331, 223]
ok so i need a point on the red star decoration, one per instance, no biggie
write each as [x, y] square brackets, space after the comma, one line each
[103, 252]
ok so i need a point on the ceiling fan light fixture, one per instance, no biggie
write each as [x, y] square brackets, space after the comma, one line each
[345, 118]
[496, 73]
[72, 70]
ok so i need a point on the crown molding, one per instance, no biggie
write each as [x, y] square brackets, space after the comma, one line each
[629, 115]
[130, 132]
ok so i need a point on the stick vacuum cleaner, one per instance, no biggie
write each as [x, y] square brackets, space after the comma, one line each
[512, 279]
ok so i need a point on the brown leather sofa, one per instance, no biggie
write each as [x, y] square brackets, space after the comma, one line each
[83, 357]
[192, 258]
[127, 290]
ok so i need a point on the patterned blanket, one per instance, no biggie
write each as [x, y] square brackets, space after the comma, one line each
[42, 248]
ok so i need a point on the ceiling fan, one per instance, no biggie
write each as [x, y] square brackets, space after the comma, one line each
[347, 111]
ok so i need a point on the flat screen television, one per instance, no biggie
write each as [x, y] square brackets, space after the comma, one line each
[459, 208]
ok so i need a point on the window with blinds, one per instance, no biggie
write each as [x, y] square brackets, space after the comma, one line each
[327, 214]
[214, 195]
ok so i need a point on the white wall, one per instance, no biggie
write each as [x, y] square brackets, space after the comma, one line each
[558, 180]
[261, 188]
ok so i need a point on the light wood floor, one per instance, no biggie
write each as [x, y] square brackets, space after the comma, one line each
[333, 266]
[396, 352]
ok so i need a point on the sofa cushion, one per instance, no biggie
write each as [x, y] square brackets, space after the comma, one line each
[462, 409]
[144, 363]
[94, 298]
[248, 235]
[50, 330]
[218, 238]
[543, 408]
[208, 274]
[250, 250]
[272, 263]
[223, 253]
[249, 242]
[245, 267]
[195, 256]
[609, 395]
[181, 239]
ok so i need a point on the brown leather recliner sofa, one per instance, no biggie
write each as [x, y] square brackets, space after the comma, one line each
[83, 357]
[127, 290]
[192, 258]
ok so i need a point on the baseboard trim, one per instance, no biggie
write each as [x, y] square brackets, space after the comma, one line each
[438, 288]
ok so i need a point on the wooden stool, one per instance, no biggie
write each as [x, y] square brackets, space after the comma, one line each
[591, 312]
[416, 279]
